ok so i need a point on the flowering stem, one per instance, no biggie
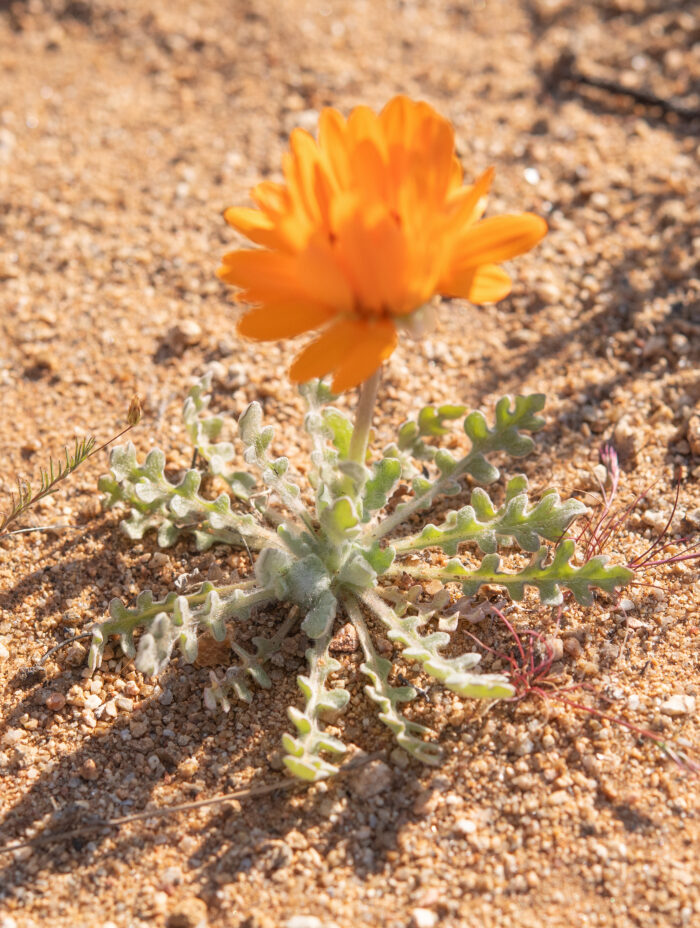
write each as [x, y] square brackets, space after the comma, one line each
[363, 418]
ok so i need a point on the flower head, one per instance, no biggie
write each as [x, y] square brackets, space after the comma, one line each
[372, 220]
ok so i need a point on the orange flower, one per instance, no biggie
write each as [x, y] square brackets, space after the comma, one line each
[371, 222]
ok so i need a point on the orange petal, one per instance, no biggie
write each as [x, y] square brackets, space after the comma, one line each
[353, 348]
[332, 140]
[468, 204]
[402, 120]
[435, 157]
[491, 241]
[326, 352]
[254, 224]
[273, 276]
[272, 197]
[300, 169]
[486, 284]
[369, 172]
[456, 174]
[282, 320]
[363, 123]
[377, 344]
[376, 257]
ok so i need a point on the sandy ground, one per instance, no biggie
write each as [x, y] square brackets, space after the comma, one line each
[125, 129]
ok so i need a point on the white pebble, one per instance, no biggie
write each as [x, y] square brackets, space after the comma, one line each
[370, 780]
[677, 705]
[465, 826]
[424, 918]
[12, 736]
[655, 519]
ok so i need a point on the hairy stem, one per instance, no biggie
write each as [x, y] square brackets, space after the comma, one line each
[363, 418]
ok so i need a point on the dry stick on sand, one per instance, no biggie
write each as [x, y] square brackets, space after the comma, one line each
[565, 70]
[100, 824]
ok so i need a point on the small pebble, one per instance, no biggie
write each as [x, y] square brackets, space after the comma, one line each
[71, 618]
[400, 758]
[370, 780]
[75, 655]
[555, 647]
[677, 705]
[693, 435]
[188, 768]
[573, 648]
[346, 641]
[627, 437]
[4, 653]
[166, 697]
[12, 736]
[189, 913]
[525, 746]
[655, 519]
[303, 921]
[171, 876]
[424, 918]
[183, 335]
[679, 343]
[465, 826]
[55, 701]
[88, 770]
[549, 293]
[524, 781]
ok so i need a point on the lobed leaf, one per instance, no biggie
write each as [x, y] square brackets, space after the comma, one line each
[303, 750]
[454, 673]
[548, 578]
[484, 525]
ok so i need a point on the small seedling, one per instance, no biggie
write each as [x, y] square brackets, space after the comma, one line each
[58, 471]
[530, 675]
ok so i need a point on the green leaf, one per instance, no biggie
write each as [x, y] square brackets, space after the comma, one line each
[339, 428]
[386, 473]
[430, 418]
[485, 526]
[550, 578]
[303, 751]
[249, 424]
[174, 620]
[339, 521]
[380, 559]
[454, 673]
[319, 619]
[506, 432]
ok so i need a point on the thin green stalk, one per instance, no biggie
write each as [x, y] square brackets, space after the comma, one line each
[363, 418]
[255, 598]
[419, 572]
[406, 510]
